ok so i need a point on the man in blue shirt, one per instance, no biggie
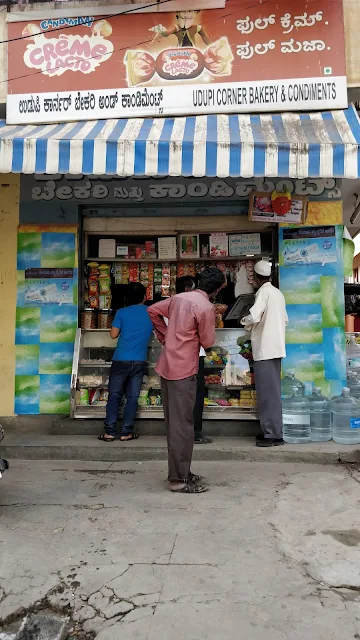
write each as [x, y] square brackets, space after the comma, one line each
[133, 327]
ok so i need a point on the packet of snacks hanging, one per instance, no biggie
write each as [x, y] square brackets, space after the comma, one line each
[92, 285]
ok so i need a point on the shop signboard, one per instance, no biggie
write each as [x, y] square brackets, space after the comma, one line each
[97, 190]
[271, 56]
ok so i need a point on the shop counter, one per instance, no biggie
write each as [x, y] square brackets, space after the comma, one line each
[229, 380]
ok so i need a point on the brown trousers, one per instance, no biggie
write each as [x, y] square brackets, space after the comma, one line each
[178, 398]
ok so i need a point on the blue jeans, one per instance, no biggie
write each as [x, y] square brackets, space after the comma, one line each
[125, 376]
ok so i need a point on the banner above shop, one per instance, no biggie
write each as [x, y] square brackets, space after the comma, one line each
[102, 190]
[238, 60]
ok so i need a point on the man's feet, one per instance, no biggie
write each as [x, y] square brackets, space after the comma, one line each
[270, 442]
[199, 439]
[186, 487]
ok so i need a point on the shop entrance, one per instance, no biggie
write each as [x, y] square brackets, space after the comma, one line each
[155, 251]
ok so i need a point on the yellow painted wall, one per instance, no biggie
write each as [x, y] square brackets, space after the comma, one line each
[9, 221]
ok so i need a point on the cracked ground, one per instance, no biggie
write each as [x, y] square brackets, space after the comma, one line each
[271, 551]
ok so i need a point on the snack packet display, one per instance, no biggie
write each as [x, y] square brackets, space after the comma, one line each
[84, 396]
[125, 273]
[143, 399]
[150, 248]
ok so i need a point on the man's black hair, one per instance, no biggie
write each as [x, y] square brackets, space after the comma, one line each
[135, 293]
[183, 283]
[211, 279]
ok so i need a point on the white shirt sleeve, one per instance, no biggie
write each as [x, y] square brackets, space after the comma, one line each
[256, 310]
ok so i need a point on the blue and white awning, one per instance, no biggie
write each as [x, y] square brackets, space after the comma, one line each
[289, 144]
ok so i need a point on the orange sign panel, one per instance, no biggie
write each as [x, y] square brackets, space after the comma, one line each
[273, 56]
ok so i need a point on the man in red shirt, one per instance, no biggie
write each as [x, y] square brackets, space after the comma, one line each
[191, 324]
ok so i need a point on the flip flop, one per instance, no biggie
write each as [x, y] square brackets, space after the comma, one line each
[194, 478]
[190, 487]
[269, 442]
[134, 436]
[103, 439]
[203, 440]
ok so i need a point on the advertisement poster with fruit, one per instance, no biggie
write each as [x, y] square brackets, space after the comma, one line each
[271, 56]
[279, 206]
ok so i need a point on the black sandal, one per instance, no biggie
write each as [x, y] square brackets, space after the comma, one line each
[194, 478]
[134, 436]
[190, 487]
[103, 439]
[203, 440]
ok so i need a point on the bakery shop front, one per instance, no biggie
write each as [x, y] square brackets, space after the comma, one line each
[151, 230]
[179, 150]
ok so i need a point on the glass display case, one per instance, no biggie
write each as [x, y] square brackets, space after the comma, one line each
[229, 380]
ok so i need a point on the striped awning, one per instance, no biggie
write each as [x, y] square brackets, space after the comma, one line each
[289, 144]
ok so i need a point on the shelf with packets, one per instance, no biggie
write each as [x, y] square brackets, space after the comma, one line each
[205, 259]
[91, 368]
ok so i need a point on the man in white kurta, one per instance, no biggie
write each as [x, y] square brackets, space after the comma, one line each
[267, 322]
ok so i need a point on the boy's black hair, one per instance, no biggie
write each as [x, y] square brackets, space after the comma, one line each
[210, 280]
[135, 293]
[183, 283]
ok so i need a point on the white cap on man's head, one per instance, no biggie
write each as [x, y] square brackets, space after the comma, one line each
[263, 268]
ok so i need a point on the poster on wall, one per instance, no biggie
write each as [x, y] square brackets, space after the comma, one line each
[46, 318]
[263, 208]
[189, 246]
[311, 245]
[241, 244]
[48, 286]
[266, 57]
[311, 278]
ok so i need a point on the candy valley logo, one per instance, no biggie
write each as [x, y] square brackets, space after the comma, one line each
[56, 55]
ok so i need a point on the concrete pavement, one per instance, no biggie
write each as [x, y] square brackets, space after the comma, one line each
[271, 551]
[39, 446]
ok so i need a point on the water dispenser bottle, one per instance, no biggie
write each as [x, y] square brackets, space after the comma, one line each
[296, 419]
[290, 385]
[353, 383]
[353, 355]
[320, 417]
[346, 418]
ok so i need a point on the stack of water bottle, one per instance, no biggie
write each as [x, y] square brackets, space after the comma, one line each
[318, 419]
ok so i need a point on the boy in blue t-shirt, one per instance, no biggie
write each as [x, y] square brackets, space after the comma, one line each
[133, 327]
